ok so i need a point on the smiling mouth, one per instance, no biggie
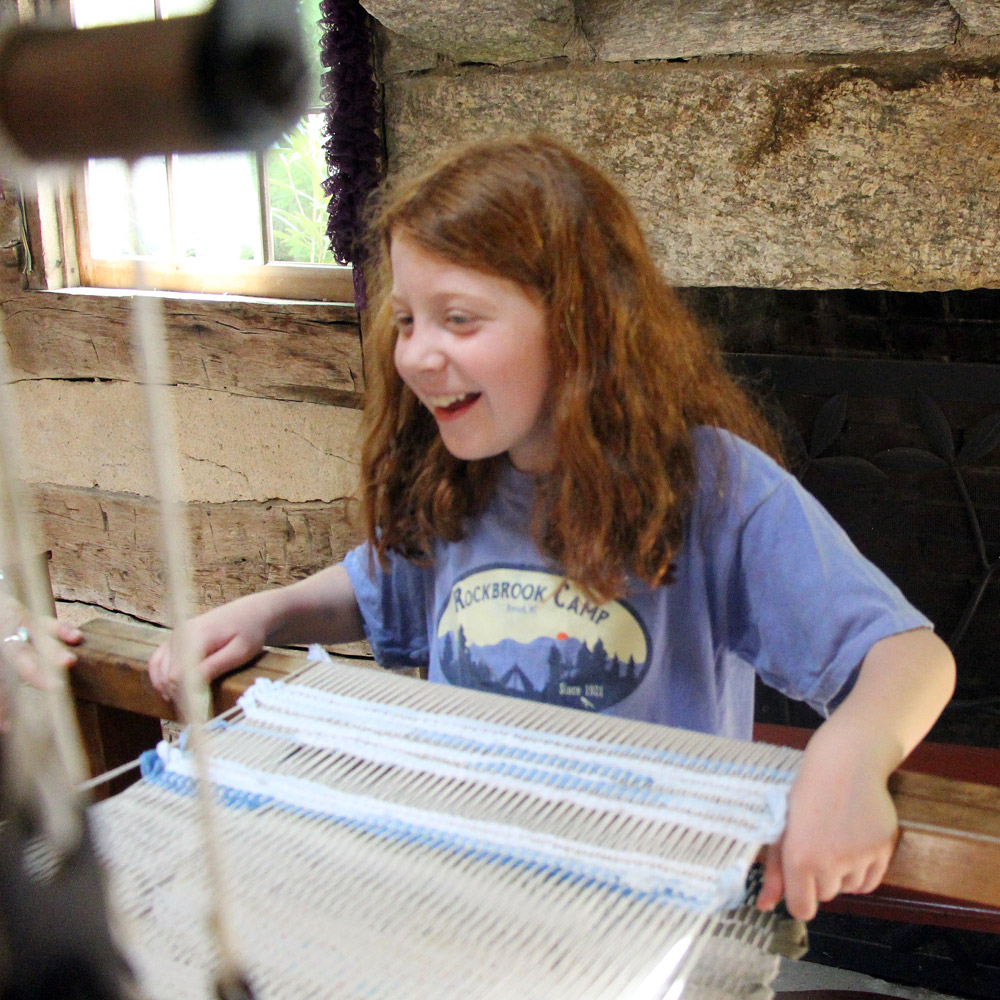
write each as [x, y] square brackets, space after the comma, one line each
[452, 404]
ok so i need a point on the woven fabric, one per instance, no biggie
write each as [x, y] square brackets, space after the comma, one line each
[385, 837]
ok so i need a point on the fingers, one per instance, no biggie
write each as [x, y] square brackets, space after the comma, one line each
[165, 665]
[773, 884]
[66, 633]
[868, 879]
[22, 658]
[874, 875]
[802, 894]
[31, 645]
[160, 673]
[805, 886]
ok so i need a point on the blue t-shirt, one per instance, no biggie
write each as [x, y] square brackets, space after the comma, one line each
[766, 581]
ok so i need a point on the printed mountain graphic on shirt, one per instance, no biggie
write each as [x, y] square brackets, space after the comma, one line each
[531, 634]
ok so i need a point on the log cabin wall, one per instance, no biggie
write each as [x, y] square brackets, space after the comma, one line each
[267, 402]
[267, 409]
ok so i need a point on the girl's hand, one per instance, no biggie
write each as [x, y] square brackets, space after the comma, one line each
[321, 608]
[840, 834]
[220, 640]
[841, 828]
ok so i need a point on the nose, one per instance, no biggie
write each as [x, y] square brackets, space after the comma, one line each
[421, 349]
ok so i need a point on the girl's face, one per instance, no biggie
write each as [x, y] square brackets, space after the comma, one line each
[474, 349]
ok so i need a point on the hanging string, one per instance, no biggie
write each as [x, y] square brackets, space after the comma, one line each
[194, 697]
[45, 761]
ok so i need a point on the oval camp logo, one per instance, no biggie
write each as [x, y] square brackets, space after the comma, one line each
[533, 634]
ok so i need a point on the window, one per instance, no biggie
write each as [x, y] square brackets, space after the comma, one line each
[245, 223]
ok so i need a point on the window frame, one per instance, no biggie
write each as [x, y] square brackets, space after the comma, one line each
[322, 282]
[266, 279]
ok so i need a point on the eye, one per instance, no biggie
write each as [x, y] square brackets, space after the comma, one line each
[403, 323]
[459, 320]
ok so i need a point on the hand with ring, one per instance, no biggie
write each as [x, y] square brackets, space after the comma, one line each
[20, 637]
[20, 634]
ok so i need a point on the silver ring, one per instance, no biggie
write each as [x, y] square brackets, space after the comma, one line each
[19, 635]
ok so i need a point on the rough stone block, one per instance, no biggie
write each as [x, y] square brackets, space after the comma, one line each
[762, 173]
[480, 30]
[649, 29]
[397, 54]
[981, 17]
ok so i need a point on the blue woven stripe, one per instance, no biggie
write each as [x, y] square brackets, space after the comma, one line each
[399, 831]
[623, 785]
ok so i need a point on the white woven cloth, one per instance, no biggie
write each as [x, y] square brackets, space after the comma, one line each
[388, 838]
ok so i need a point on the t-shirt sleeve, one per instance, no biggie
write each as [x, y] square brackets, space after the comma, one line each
[805, 606]
[393, 605]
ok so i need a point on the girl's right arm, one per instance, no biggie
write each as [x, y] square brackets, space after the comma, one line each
[322, 608]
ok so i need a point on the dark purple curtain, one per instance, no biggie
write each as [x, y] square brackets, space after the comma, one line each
[353, 144]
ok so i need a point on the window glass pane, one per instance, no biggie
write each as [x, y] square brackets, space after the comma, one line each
[90, 13]
[216, 207]
[295, 172]
[312, 42]
[181, 8]
[108, 208]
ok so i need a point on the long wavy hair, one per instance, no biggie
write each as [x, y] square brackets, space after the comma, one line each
[633, 371]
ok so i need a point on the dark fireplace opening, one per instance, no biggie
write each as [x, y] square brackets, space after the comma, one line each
[889, 406]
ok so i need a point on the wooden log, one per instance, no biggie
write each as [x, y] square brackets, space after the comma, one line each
[303, 351]
[946, 867]
[106, 547]
[949, 830]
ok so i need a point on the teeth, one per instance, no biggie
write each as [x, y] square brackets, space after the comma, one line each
[446, 401]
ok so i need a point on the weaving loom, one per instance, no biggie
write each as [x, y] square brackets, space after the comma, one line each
[389, 838]
[950, 836]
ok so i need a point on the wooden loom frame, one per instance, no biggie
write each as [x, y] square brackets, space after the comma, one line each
[946, 868]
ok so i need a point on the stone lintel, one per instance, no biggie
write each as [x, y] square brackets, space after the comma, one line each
[795, 174]
[650, 29]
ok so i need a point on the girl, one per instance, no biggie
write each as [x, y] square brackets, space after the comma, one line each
[567, 498]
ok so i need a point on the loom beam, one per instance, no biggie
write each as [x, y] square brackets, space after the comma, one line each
[949, 844]
[233, 78]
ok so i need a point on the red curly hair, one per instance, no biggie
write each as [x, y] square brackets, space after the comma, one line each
[634, 370]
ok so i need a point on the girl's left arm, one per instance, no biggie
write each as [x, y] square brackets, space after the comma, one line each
[841, 828]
